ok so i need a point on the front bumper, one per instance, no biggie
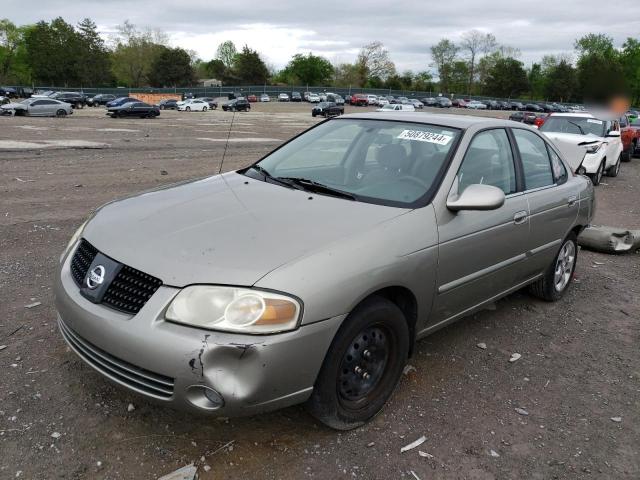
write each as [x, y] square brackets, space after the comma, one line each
[591, 162]
[175, 364]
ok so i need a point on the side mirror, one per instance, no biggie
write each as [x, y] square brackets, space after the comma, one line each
[476, 197]
[613, 133]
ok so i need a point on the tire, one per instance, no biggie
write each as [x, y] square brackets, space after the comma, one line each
[635, 150]
[553, 285]
[187, 109]
[614, 169]
[214, 107]
[597, 177]
[204, 109]
[61, 113]
[626, 155]
[313, 114]
[373, 341]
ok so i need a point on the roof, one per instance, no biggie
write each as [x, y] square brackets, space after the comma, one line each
[450, 120]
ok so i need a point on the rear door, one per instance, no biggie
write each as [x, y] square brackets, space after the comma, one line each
[481, 253]
[553, 205]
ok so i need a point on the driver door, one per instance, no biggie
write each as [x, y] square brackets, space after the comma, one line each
[481, 253]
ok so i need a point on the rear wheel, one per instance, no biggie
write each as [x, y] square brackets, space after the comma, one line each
[363, 365]
[556, 280]
[614, 169]
[627, 154]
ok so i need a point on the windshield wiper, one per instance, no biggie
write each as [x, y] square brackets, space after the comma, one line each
[579, 127]
[268, 177]
[313, 186]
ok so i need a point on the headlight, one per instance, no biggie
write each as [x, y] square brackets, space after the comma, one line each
[74, 238]
[234, 309]
[594, 148]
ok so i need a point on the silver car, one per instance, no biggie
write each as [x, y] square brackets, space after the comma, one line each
[309, 276]
[38, 107]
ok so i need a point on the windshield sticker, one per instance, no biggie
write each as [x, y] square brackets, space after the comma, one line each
[592, 120]
[429, 137]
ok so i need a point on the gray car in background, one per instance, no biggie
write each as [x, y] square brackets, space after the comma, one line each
[38, 107]
[308, 276]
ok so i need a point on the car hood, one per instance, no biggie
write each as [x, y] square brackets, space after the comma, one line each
[227, 229]
[572, 146]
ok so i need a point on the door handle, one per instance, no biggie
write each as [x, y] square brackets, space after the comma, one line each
[520, 217]
[571, 201]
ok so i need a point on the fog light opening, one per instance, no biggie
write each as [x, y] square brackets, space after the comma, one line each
[204, 397]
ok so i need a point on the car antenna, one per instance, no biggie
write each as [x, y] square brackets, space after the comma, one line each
[226, 145]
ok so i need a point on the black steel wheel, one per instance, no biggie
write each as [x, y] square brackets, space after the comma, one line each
[362, 366]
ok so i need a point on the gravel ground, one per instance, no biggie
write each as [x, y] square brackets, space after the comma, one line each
[577, 380]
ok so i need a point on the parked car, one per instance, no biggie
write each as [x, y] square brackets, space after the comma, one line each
[525, 117]
[359, 100]
[532, 107]
[429, 102]
[168, 104]
[335, 98]
[265, 98]
[283, 97]
[636, 141]
[417, 104]
[459, 103]
[193, 105]
[121, 101]
[347, 99]
[8, 92]
[476, 105]
[504, 105]
[630, 137]
[372, 99]
[252, 98]
[314, 98]
[296, 97]
[238, 105]
[42, 93]
[75, 99]
[539, 120]
[37, 107]
[592, 146]
[517, 106]
[443, 102]
[4, 100]
[213, 103]
[100, 99]
[429, 223]
[327, 109]
[134, 109]
[397, 107]
[382, 101]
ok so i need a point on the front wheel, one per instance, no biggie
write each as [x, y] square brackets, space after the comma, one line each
[614, 169]
[363, 365]
[204, 109]
[556, 280]
[188, 109]
[61, 113]
[596, 177]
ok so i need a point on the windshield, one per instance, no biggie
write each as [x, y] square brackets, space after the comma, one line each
[576, 125]
[376, 161]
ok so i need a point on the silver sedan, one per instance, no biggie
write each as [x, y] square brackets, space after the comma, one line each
[38, 107]
[309, 276]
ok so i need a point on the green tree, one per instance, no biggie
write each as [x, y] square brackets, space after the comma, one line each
[94, 63]
[630, 60]
[171, 68]
[134, 54]
[374, 61]
[226, 53]
[349, 75]
[444, 54]
[536, 81]
[308, 70]
[561, 82]
[595, 44]
[507, 78]
[249, 68]
[599, 70]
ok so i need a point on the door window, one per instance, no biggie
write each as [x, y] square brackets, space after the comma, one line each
[535, 159]
[488, 161]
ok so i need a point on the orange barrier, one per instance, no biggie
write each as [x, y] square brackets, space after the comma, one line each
[154, 98]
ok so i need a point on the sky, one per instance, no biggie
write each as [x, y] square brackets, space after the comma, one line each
[337, 29]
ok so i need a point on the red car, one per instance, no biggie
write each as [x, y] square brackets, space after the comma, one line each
[539, 121]
[252, 98]
[630, 136]
[359, 100]
[458, 102]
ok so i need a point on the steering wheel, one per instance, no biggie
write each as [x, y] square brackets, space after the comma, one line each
[415, 180]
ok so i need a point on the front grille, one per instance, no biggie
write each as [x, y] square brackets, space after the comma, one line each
[120, 371]
[81, 261]
[129, 290]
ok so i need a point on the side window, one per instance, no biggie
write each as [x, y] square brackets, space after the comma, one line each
[559, 170]
[488, 161]
[623, 122]
[535, 159]
[37, 103]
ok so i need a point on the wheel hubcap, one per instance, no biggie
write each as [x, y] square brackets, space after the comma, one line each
[363, 364]
[564, 266]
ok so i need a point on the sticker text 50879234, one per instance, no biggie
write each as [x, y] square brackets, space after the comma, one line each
[429, 137]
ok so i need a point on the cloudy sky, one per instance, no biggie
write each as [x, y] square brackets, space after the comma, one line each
[336, 29]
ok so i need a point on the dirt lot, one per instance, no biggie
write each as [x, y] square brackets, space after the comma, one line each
[580, 364]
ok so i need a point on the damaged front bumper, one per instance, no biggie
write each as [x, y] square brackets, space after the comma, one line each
[190, 368]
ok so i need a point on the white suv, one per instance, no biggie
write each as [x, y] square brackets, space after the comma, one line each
[592, 145]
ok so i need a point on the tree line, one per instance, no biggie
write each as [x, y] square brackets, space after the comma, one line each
[58, 53]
